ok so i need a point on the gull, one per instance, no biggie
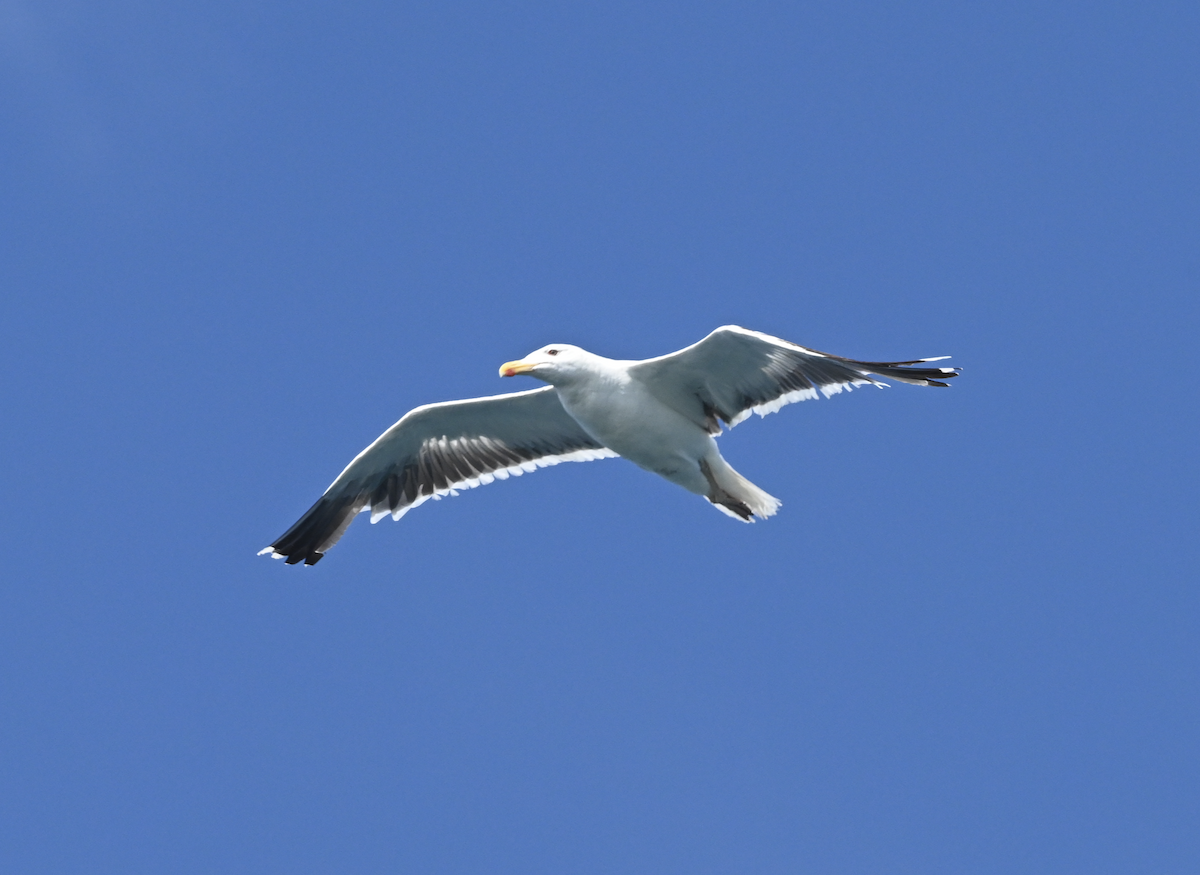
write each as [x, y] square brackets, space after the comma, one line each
[663, 414]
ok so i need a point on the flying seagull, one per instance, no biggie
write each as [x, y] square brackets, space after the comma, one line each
[662, 414]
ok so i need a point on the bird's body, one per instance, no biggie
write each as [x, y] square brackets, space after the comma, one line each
[662, 414]
[618, 411]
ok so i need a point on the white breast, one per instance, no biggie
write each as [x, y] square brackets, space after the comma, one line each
[620, 413]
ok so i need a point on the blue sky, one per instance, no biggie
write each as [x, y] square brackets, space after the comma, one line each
[238, 241]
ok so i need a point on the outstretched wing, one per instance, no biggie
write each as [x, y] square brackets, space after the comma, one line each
[436, 450]
[735, 372]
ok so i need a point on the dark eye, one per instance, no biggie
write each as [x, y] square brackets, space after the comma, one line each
[552, 352]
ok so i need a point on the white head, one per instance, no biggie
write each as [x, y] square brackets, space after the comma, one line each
[554, 363]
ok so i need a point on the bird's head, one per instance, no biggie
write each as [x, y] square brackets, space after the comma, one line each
[550, 363]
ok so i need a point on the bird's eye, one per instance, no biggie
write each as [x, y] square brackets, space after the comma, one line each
[552, 352]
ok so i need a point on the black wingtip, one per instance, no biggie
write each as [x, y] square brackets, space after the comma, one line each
[318, 530]
[946, 374]
[919, 376]
[299, 556]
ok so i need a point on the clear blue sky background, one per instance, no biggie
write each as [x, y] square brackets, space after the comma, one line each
[239, 240]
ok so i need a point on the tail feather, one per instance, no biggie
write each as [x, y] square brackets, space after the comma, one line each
[733, 494]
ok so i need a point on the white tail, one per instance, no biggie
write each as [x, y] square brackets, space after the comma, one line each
[733, 494]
